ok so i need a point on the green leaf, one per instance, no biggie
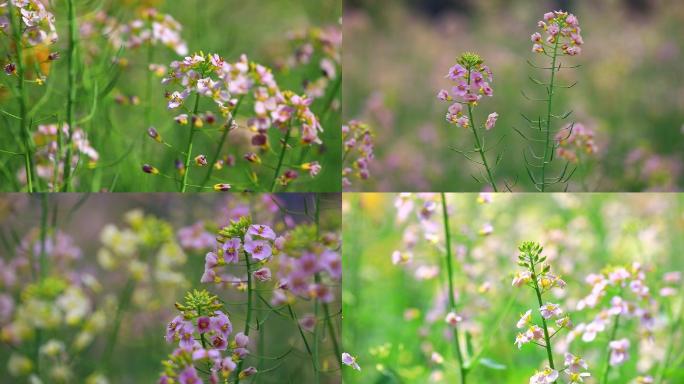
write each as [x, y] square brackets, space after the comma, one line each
[490, 363]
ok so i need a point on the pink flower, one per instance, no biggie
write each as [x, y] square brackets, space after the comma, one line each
[491, 120]
[456, 71]
[262, 274]
[536, 37]
[549, 310]
[455, 108]
[203, 324]
[350, 360]
[547, 376]
[231, 249]
[453, 319]
[259, 249]
[443, 95]
[618, 351]
[263, 231]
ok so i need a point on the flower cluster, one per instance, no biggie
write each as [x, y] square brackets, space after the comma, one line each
[308, 42]
[49, 165]
[62, 302]
[152, 28]
[562, 30]
[38, 24]
[625, 295]
[472, 80]
[202, 332]
[538, 276]
[579, 140]
[358, 151]
[147, 252]
[304, 266]
[259, 242]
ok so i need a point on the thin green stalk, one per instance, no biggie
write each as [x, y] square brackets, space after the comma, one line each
[122, 306]
[480, 148]
[216, 155]
[315, 357]
[248, 318]
[452, 300]
[547, 153]
[613, 333]
[188, 150]
[547, 339]
[333, 334]
[676, 326]
[24, 128]
[282, 156]
[71, 91]
[148, 94]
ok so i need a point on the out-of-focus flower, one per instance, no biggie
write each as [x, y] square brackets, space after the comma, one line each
[357, 138]
[574, 140]
[350, 360]
[619, 351]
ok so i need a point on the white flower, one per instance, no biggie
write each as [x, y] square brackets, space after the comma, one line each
[453, 319]
[524, 319]
[546, 376]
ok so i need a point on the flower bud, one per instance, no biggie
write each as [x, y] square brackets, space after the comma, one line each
[150, 169]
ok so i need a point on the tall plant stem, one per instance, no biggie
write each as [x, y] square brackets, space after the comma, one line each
[452, 300]
[606, 364]
[71, 91]
[122, 306]
[24, 128]
[248, 318]
[188, 150]
[216, 155]
[676, 326]
[547, 152]
[316, 332]
[281, 157]
[547, 338]
[148, 94]
[479, 148]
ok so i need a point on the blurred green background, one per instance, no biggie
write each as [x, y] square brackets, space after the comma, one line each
[227, 27]
[393, 320]
[630, 89]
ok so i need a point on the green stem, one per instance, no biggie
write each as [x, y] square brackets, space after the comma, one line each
[452, 299]
[24, 128]
[122, 306]
[148, 94]
[676, 326]
[282, 156]
[547, 152]
[480, 148]
[248, 318]
[71, 92]
[547, 339]
[613, 333]
[216, 155]
[188, 150]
